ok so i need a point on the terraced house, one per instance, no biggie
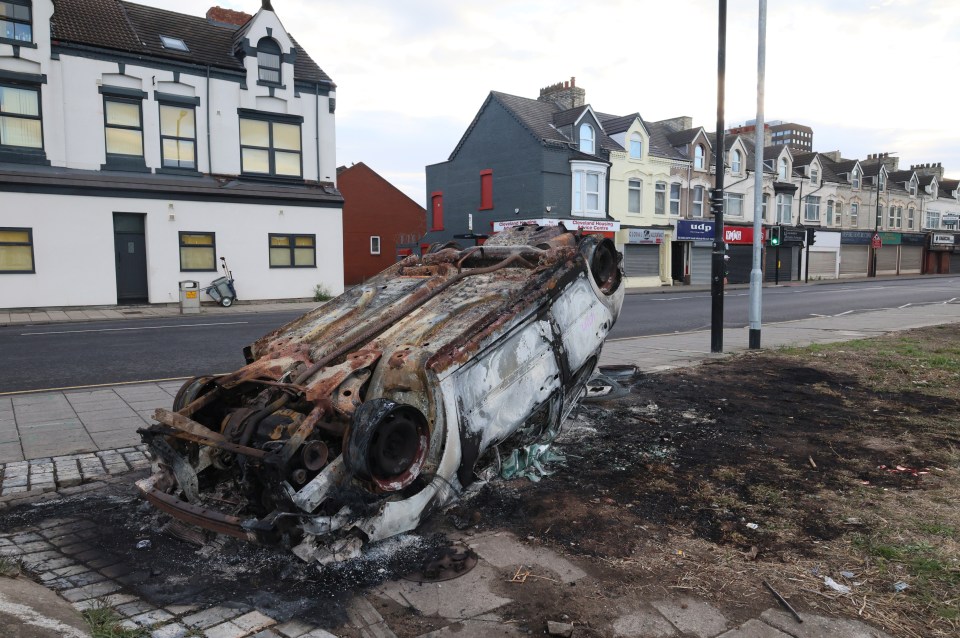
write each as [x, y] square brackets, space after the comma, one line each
[138, 146]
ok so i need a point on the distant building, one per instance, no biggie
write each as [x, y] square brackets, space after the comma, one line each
[380, 223]
[778, 133]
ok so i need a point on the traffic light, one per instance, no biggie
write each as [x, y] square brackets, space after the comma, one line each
[716, 201]
[811, 236]
[776, 235]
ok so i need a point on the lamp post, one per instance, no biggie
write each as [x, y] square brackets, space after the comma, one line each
[719, 247]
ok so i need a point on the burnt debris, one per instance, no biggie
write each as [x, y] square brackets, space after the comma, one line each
[353, 422]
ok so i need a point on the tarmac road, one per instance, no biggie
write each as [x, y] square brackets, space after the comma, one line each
[68, 354]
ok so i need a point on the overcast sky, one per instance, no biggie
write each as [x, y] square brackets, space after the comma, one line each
[867, 75]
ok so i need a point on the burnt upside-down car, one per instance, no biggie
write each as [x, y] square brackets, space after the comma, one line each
[353, 422]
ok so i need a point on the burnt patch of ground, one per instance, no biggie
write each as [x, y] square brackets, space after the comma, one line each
[226, 571]
[778, 464]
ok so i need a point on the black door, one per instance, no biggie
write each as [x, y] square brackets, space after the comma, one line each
[786, 264]
[130, 245]
[676, 260]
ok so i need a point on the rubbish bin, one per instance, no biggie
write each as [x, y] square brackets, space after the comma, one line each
[189, 297]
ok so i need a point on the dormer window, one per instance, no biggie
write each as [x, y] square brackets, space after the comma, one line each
[913, 188]
[856, 179]
[782, 173]
[814, 175]
[736, 162]
[699, 157]
[268, 61]
[174, 44]
[587, 141]
[882, 180]
[636, 146]
[15, 21]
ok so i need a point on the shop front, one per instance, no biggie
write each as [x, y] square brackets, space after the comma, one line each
[912, 246]
[646, 257]
[888, 255]
[941, 252]
[855, 253]
[691, 251]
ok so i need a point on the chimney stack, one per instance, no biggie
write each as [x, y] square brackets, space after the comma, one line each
[219, 15]
[565, 94]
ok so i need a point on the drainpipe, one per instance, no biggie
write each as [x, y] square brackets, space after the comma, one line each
[209, 150]
[316, 104]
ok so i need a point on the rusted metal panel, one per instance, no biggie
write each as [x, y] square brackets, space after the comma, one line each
[353, 422]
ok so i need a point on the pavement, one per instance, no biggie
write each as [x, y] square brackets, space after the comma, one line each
[63, 443]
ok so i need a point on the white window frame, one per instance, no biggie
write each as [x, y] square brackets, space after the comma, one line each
[814, 175]
[699, 157]
[854, 214]
[838, 214]
[588, 139]
[783, 170]
[829, 212]
[660, 198]
[811, 208]
[635, 185]
[374, 244]
[913, 188]
[911, 217]
[736, 162]
[932, 220]
[579, 194]
[856, 179]
[636, 146]
[728, 209]
[675, 187]
[784, 208]
[698, 191]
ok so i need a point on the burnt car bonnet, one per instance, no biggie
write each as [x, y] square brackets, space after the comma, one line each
[351, 423]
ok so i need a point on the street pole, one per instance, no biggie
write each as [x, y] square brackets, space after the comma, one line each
[717, 263]
[876, 225]
[756, 274]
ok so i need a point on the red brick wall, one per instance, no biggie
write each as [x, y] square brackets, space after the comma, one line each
[373, 206]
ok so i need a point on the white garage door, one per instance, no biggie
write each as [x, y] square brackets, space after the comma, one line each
[911, 259]
[823, 265]
[854, 261]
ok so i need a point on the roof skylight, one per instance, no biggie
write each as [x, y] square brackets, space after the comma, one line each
[173, 43]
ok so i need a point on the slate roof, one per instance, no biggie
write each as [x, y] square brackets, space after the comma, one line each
[925, 180]
[660, 145]
[682, 138]
[614, 124]
[772, 152]
[843, 167]
[134, 28]
[946, 188]
[539, 118]
[804, 159]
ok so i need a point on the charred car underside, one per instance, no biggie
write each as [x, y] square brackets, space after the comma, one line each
[353, 422]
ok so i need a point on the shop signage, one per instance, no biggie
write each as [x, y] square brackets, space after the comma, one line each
[645, 236]
[913, 239]
[890, 239]
[694, 230]
[862, 237]
[793, 235]
[583, 225]
[942, 239]
[738, 234]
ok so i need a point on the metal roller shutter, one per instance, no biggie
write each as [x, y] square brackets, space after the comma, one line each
[911, 259]
[700, 265]
[887, 260]
[786, 264]
[740, 264]
[823, 265]
[854, 261]
[641, 260]
[955, 263]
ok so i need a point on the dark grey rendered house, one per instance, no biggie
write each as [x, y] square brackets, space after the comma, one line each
[522, 159]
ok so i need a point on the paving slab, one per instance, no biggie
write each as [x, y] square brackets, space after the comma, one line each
[814, 626]
[30, 610]
[504, 550]
[477, 628]
[692, 616]
[460, 598]
[754, 629]
[646, 622]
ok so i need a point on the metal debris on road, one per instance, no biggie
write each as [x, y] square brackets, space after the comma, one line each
[782, 601]
[444, 563]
